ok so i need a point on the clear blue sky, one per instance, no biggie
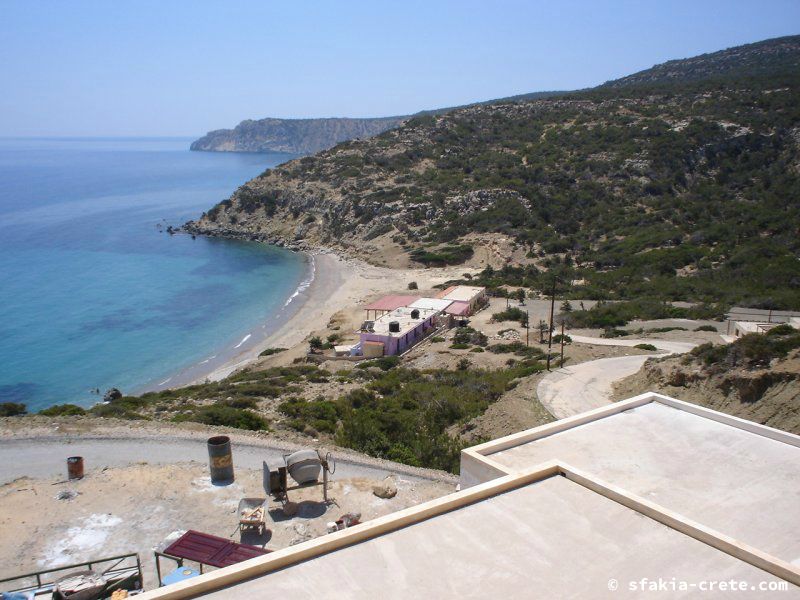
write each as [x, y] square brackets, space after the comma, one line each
[170, 67]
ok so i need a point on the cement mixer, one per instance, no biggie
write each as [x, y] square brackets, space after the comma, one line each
[304, 467]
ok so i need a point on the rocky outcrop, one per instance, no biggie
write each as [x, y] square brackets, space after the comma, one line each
[292, 136]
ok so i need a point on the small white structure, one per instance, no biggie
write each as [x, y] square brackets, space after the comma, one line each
[465, 299]
[437, 304]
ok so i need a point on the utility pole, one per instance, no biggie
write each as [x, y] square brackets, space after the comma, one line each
[527, 328]
[562, 343]
[550, 332]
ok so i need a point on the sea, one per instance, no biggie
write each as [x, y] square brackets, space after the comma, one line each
[95, 294]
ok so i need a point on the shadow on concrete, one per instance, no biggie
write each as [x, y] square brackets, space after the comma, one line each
[254, 537]
[307, 509]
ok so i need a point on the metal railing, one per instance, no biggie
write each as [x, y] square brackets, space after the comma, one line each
[115, 573]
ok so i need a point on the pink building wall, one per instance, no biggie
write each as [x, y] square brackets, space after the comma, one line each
[397, 345]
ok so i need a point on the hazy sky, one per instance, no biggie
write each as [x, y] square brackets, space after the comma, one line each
[171, 67]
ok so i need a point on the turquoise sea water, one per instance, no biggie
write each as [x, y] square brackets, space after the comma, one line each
[93, 295]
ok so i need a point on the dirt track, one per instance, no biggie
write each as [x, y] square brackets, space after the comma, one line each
[584, 386]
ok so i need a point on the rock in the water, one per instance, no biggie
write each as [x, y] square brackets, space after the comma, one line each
[112, 394]
[386, 489]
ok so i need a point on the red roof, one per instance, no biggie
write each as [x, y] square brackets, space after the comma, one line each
[211, 550]
[391, 302]
[444, 292]
[458, 309]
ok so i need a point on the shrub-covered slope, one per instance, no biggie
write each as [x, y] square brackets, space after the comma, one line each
[685, 191]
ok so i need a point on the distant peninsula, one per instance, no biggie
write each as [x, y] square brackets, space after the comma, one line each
[293, 136]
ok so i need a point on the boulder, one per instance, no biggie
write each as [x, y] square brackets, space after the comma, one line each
[386, 489]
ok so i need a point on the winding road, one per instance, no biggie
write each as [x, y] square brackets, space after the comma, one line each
[577, 388]
[46, 457]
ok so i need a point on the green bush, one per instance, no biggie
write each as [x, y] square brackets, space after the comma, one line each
[12, 409]
[437, 339]
[459, 346]
[614, 333]
[127, 407]
[706, 328]
[665, 329]
[271, 351]
[384, 363]
[225, 416]
[782, 330]
[63, 410]
[469, 336]
[511, 314]
[646, 347]
[322, 415]
[243, 402]
[517, 348]
[557, 339]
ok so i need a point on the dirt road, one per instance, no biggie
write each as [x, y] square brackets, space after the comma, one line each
[577, 388]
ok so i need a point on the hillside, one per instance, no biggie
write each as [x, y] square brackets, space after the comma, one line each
[755, 378]
[767, 57]
[292, 136]
[679, 191]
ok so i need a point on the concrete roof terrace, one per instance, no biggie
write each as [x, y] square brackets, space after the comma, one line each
[731, 475]
[552, 538]
[644, 489]
[403, 317]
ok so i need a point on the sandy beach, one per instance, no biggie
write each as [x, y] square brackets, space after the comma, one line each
[339, 284]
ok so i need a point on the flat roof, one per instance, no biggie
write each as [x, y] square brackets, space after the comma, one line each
[462, 293]
[403, 317]
[438, 304]
[739, 482]
[458, 308]
[391, 302]
[551, 538]
[650, 487]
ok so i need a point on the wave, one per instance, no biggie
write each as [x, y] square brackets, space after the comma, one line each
[305, 284]
[244, 339]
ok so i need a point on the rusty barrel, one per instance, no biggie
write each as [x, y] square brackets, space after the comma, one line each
[75, 467]
[220, 459]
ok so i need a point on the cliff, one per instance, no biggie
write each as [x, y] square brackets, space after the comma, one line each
[292, 136]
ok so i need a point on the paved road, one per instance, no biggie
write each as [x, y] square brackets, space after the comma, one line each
[577, 388]
[47, 458]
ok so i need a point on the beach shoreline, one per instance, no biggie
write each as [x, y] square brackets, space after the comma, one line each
[338, 283]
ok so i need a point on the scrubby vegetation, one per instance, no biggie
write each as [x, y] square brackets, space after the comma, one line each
[63, 410]
[673, 190]
[12, 409]
[753, 350]
[403, 415]
[615, 314]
